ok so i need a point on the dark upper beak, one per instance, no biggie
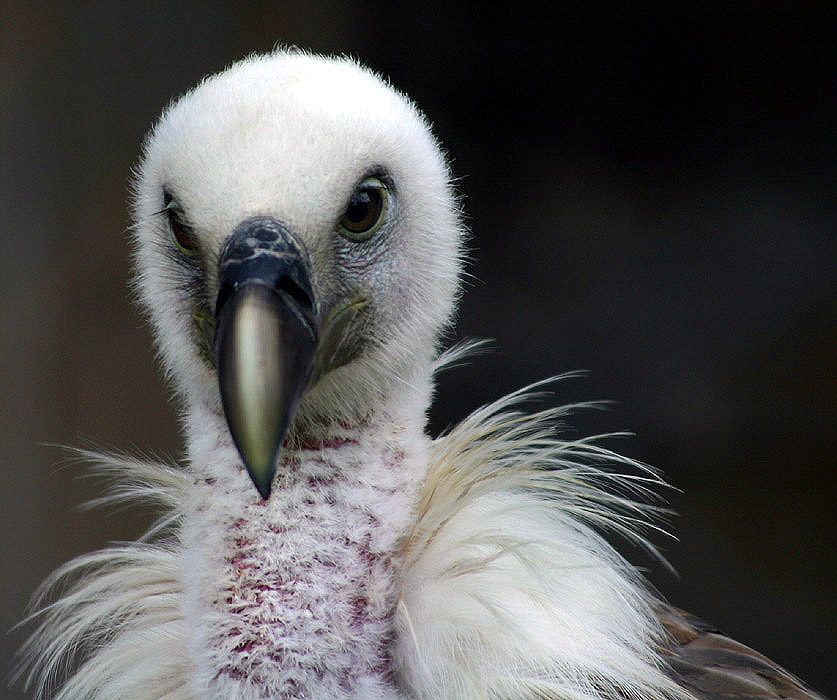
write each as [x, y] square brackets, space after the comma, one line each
[266, 335]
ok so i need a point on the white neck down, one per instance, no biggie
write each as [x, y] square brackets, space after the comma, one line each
[296, 595]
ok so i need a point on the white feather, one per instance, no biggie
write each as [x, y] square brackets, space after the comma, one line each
[507, 590]
[117, 613]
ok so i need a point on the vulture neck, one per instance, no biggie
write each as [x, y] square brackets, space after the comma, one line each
[295, 596]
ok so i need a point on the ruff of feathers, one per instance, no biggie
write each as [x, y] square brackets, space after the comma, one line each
[508, 589]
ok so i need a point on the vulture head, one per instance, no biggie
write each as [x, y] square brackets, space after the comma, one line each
[298, 249]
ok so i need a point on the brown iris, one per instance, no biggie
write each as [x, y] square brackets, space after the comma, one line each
[181, 233]
[366, 210]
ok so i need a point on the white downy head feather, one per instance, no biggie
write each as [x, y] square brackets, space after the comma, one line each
[289, 135]
[392, 567]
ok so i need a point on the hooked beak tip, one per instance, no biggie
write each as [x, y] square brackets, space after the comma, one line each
[263, 486]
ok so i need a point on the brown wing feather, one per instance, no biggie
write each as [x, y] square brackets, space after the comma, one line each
[715, 667]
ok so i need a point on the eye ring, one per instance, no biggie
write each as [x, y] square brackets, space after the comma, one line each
[182, 235]
[366, 210]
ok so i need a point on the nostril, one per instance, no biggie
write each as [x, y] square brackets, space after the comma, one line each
[289, 286]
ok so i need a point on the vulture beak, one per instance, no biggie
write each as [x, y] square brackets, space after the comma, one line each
[266, 335]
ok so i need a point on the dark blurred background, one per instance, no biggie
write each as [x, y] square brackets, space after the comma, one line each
[651, 195]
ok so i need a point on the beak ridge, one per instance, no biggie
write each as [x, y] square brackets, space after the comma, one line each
[266, 337]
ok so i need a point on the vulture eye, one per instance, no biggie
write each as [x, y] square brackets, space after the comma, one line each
[182, 234]
[366, 210]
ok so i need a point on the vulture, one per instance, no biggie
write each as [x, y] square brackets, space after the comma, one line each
[298, 248]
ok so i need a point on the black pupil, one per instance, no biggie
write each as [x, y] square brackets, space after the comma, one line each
[363, 210]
